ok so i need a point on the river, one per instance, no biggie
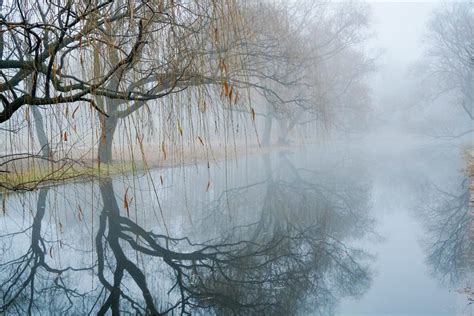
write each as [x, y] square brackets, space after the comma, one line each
[372, 226]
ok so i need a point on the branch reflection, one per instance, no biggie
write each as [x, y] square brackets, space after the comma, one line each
[285, 253]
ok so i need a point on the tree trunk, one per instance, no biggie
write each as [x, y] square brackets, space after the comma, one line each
[107, 127]
[283, 135]
[267, 133]
[40, 132]
[468, 96]
[286, 127]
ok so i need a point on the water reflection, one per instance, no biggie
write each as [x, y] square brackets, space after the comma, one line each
[31, 280]
[285, 251]
[448, 219]
[305, 219]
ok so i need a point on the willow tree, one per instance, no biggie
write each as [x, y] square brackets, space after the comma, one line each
[114, 55]
[186, 52]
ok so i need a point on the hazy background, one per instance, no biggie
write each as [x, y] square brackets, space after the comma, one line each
[399, 31]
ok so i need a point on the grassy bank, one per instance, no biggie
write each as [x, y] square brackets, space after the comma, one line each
[39, 174]
[30, 173]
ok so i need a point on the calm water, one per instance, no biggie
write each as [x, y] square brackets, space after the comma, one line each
[376, 226]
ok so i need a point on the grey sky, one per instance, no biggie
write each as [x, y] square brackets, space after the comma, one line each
[399, 28]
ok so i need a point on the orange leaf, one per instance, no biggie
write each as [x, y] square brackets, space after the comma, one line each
[125, 202]
[226, 89]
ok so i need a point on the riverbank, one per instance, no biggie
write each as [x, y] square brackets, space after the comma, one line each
[28, 172]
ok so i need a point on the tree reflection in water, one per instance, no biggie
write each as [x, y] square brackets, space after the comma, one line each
[292, 258]
[30, 282]
[448, 242]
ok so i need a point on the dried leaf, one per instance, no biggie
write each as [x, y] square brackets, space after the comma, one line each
[80, 215]
[125, 202]
[223, 66]
[74, 112]
[200, 140]
[54, 69]
[180, 129]
[226, 88]
[230, 94]
[163, 149]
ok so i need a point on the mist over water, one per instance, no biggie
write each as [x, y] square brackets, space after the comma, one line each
[374, 217]
[341, 185]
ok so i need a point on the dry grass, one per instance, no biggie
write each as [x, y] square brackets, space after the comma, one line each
[32, 172]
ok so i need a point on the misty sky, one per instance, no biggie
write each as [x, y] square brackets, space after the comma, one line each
[399, 27]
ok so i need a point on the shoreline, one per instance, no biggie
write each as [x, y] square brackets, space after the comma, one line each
[30, 173]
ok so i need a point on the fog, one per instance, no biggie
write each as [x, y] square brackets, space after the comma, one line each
[401, 38]
[236, 157]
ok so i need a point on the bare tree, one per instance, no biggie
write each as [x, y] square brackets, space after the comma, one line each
[140, 52]
[297, 70]
[449, 64]
[448, 241]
